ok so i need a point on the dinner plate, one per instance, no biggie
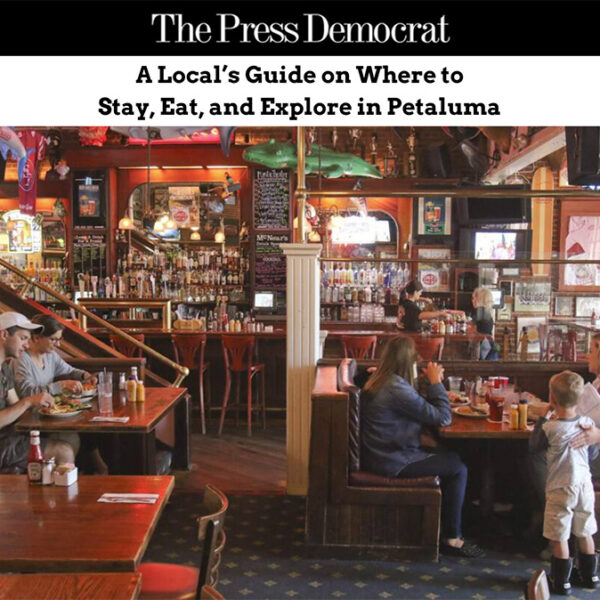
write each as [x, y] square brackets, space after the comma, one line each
[61, 415]
[465, 411]
[459, 402]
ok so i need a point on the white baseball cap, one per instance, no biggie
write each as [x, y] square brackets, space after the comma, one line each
[15, 319]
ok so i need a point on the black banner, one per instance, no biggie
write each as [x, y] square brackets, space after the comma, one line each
[107, 28]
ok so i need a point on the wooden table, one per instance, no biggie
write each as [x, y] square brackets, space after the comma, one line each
[66, 529]
[143, 418]
[71, 586]
[467, 428]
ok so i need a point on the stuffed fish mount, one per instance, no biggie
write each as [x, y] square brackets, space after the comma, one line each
[10, 142]
[323, 161]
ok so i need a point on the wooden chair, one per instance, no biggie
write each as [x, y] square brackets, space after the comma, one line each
[238, 354]
[125, 347]
[537, 588]
[189, 352]
[429, 347]
[209, 593]
[359, 346]
[165, 581]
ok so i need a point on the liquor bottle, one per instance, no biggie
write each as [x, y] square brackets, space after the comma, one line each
[35, 460]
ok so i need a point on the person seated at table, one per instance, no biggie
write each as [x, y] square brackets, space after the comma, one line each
[569, 489]
[41, 369]
[483, 301]
[15, 335]
[392, 416]
[409, 313]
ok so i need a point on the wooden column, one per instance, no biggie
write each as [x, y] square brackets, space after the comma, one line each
[302, 354]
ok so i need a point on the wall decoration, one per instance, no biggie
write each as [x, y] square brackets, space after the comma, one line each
[504, 313]
[563, 306]
[54, 236]
[533, 333]
[89, 201]
[507, 288]
[580, 240]
[532, 296]
[434, 216]
[434, 276]
[586, 305]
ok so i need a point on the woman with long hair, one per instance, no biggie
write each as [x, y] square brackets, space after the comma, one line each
[392, 415]
[409, 313]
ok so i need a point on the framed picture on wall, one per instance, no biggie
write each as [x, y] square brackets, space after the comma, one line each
[434, 216]
[532, 296]
[563, 306]
[507, 288]
[580, 241]
[504, 313]
[435, 276]
[89, 199]
[533, 333]
[586, 305]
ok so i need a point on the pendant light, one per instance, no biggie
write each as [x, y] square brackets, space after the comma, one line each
[220, 234]
[126, 224]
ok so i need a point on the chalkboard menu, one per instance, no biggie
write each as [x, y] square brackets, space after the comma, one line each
[271, 199]
[269, 261]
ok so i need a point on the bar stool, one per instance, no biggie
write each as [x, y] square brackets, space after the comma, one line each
[429, 347]
[359, 346]
[189, 352]
[237, 352]
[125, 347]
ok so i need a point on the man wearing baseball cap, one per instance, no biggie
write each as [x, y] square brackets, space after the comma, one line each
[15, 333]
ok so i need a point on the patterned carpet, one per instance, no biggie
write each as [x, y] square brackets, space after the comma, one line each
[264, 559]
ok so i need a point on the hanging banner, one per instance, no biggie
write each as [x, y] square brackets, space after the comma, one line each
[35, 146]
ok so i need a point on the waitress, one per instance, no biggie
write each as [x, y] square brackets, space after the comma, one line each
[410, 316]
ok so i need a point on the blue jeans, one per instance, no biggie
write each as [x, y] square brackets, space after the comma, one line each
[453, 475]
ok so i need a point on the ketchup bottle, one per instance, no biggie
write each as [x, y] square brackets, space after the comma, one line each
[35, 459]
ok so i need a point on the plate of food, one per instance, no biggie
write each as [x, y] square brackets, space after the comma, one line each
[467, 411]
[63, 408]
[89, 390]
[458, 399]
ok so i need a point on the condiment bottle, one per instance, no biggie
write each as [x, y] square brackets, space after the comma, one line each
[122, 382]
[140, 392]
[522, 413]
[514, 417]
[35, 459]
[132, 385]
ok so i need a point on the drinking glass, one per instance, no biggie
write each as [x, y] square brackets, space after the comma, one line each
[454, 383]
[496, 407]
[105, 394]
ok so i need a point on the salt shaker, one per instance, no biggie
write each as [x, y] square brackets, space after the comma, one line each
[47, 470]
[122, 382]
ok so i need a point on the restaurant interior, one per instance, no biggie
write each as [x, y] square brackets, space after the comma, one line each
[231, 289]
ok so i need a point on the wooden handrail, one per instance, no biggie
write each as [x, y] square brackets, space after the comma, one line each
[182, 372]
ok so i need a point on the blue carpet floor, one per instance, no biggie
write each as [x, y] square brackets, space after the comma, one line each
[264, 559]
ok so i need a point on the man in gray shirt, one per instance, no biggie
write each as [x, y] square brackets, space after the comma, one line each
[15, 333]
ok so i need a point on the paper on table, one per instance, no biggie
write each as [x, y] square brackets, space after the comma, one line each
[109, 420]
[589, 404]
[129, 498]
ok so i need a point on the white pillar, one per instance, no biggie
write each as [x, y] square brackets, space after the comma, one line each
[303, 351]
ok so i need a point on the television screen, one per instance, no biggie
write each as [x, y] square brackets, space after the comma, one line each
[498, 299]
[264, 300]
[504, 210]
[495, 245]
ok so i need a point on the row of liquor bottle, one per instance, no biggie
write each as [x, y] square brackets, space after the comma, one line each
[354, 313]
[361, 274]
[54, 277]
[221, 320]
[230, 259]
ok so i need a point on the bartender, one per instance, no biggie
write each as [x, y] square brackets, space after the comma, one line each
[410, 316]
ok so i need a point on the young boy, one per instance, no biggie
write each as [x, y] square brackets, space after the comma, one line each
[569, 489]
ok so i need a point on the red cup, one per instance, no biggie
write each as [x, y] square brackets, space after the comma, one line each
[496, 406]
